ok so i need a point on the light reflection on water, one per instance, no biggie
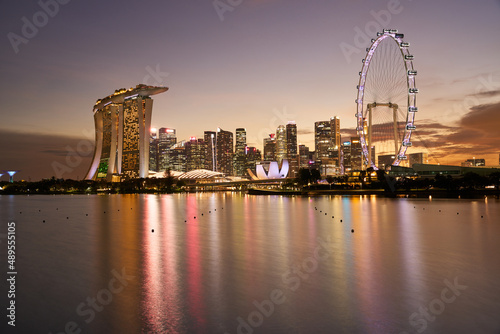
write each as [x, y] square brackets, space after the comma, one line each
[210, 274]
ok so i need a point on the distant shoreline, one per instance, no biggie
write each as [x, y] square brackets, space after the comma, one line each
[421, 193]
[424, 193]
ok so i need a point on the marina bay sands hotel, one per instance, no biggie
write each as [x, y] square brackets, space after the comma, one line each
[122, 122]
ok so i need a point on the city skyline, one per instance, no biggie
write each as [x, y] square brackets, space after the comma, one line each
[269, 61]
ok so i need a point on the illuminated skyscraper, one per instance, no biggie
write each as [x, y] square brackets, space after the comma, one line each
[210, 148]
[153, 151]
[166, 139]
[322, 139]
[195, 154]
[122, 127]
[327, 145]
[356, 154]
[291, 149]
[224, 151]
[270, 148]
[335, 128]
[240, 152]
[303, 156]
[280, 144]
[177, 157]
[327, 138]
[253, 156]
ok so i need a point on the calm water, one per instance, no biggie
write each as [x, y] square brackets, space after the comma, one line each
[252, 264]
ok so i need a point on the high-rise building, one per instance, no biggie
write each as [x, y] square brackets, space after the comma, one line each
[122, 127]
[346, 156]
[327, 138]
[356, 154]
[253, 156]
[303, 156]
[166, 139]
[474, 162]
[385, 160]
[195, 154]
[240, 152]
[291, 138]
[177, 157]
[418, 158]
[270, 148]
[327, 145]
[291, 149]
[153, 150]
[210, 150]
[224, 151]
[322, 139]
[335, 128]
[280, 144]
[241, 141]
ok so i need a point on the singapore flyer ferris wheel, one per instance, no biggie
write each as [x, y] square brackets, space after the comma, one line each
[386, 100]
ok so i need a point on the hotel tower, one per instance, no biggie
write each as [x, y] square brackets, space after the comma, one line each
[122, 125]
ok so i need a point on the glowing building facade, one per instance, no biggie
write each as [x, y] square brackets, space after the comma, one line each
[280, 143]
[270, 148]
[122, 127]
[224, 151]
[166, 139]
[291, 149]
[210, 148]
[239, 165]
[195, 154]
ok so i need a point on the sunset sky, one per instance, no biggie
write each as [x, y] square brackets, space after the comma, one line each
[253, 64]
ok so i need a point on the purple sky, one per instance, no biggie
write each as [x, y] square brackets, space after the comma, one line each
[267, 62]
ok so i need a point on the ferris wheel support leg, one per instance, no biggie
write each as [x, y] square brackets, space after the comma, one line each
[395, 126]
[370, 137]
